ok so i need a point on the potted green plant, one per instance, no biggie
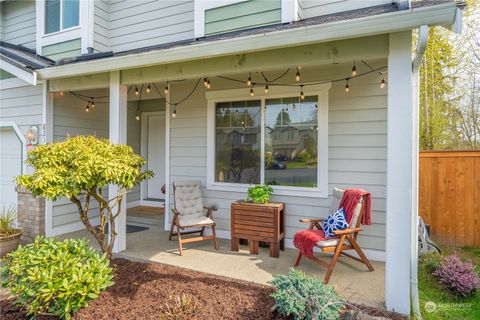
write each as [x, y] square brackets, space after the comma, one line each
[9, 236]
[260, 193]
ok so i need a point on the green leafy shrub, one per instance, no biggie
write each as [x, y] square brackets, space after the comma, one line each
[180, 307]
[52, 277]
[303, 297]
[7, 218]
[260, 193]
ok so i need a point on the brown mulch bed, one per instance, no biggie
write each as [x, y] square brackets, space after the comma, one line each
[141, 291]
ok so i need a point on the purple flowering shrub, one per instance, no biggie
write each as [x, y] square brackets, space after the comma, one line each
[457, 276]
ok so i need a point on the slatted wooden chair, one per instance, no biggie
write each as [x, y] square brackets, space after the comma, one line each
[190, 213]
[345, 240]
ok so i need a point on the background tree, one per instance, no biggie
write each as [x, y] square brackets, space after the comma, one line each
[449, 87]
[78, 169]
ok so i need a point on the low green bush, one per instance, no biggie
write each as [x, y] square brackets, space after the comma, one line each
[302, 297]
[52, 277]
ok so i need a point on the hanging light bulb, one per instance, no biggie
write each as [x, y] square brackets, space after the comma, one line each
[354, 69]
[137, 116]
[297, 75]
[347, 86]
[266, 88]
[148, 89]
[208, 84]
[87, 108]
[302, 95]
[92, 102]
[61, 93]
[205, 82]
[249, 81]
[252, 93]
[174, 112]
[382, 83]
[136, 91]
[166, 88]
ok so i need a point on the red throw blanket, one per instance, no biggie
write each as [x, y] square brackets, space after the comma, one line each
[349, 201]
[305, 240]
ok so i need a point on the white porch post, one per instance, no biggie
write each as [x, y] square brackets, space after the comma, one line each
[118, 135]
[400, 172]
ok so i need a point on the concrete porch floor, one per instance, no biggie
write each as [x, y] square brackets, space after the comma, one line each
[350, 278]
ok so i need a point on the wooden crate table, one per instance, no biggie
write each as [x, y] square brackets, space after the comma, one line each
[258, 222]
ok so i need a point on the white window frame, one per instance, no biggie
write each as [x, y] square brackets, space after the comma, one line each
[320, 90]
[83, 31]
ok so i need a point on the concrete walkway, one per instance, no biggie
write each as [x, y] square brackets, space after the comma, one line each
[351, 279]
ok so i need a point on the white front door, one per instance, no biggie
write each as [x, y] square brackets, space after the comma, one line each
[10, 166]
[156, 155]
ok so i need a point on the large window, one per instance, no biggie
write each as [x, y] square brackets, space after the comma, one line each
[277, 139]
[61, 14]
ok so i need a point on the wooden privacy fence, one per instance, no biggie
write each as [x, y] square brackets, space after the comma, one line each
[449, 196]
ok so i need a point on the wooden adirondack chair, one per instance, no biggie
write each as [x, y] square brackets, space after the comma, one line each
[346, 240]
[190, 213]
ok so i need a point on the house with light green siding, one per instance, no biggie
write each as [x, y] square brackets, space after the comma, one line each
[317, 94]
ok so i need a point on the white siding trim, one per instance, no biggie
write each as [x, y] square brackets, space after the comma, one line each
[30, 77]
[320, 90]
[289, 11]
[166, 223]
[200, 6]
[47, 114]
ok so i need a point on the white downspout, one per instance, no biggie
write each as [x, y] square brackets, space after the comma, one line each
[421, 47]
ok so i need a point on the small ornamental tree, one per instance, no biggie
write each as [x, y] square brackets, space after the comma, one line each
[78, 169]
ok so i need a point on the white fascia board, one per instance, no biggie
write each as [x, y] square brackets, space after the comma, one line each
[339, 30]
[27, 76]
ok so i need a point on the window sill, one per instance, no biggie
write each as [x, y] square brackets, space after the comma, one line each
[277, 190]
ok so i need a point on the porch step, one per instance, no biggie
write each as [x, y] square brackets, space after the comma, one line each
[145, 220]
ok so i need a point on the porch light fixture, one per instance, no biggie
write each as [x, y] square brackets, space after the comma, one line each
[148, 89]
[249, 81]
[302, 95]
[297, 75]
[382, 83]
[136, 91]
[32, 136]
[354, 70]
[347, 86]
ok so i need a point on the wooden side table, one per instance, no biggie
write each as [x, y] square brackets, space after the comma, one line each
[258, 222]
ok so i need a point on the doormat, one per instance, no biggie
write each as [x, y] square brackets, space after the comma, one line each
[132, 228]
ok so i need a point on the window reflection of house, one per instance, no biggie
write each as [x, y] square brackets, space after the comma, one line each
[235, 137]
[290, 140]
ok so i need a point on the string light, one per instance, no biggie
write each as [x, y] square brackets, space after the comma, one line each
[61, 93]
[87, 108]
[249, 81]
[137, 116]
[92, 103]
[347, 86]
[302, 95]
[354, 69]
[148, 89]
[382, 83]
[266, 88]
[208, 84]
[136, 91]
[174, 112]
[297, 75]
[252, 93]
[166, 88]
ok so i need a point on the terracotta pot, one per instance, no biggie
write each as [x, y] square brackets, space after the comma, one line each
[9, 243]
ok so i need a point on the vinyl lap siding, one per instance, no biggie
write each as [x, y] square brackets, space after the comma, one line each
[23, 105]
[70, 119]
[18, 23]
[67, 49]
[243, 15]
[101, 21]
[314, 8]
[357, 155]
[135, 24]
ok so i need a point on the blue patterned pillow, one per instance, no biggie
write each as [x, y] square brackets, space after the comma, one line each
[335, 221]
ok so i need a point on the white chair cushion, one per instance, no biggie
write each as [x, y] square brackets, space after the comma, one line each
[187, 221]
[188, 198]
[337, 195]
[327, 243]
